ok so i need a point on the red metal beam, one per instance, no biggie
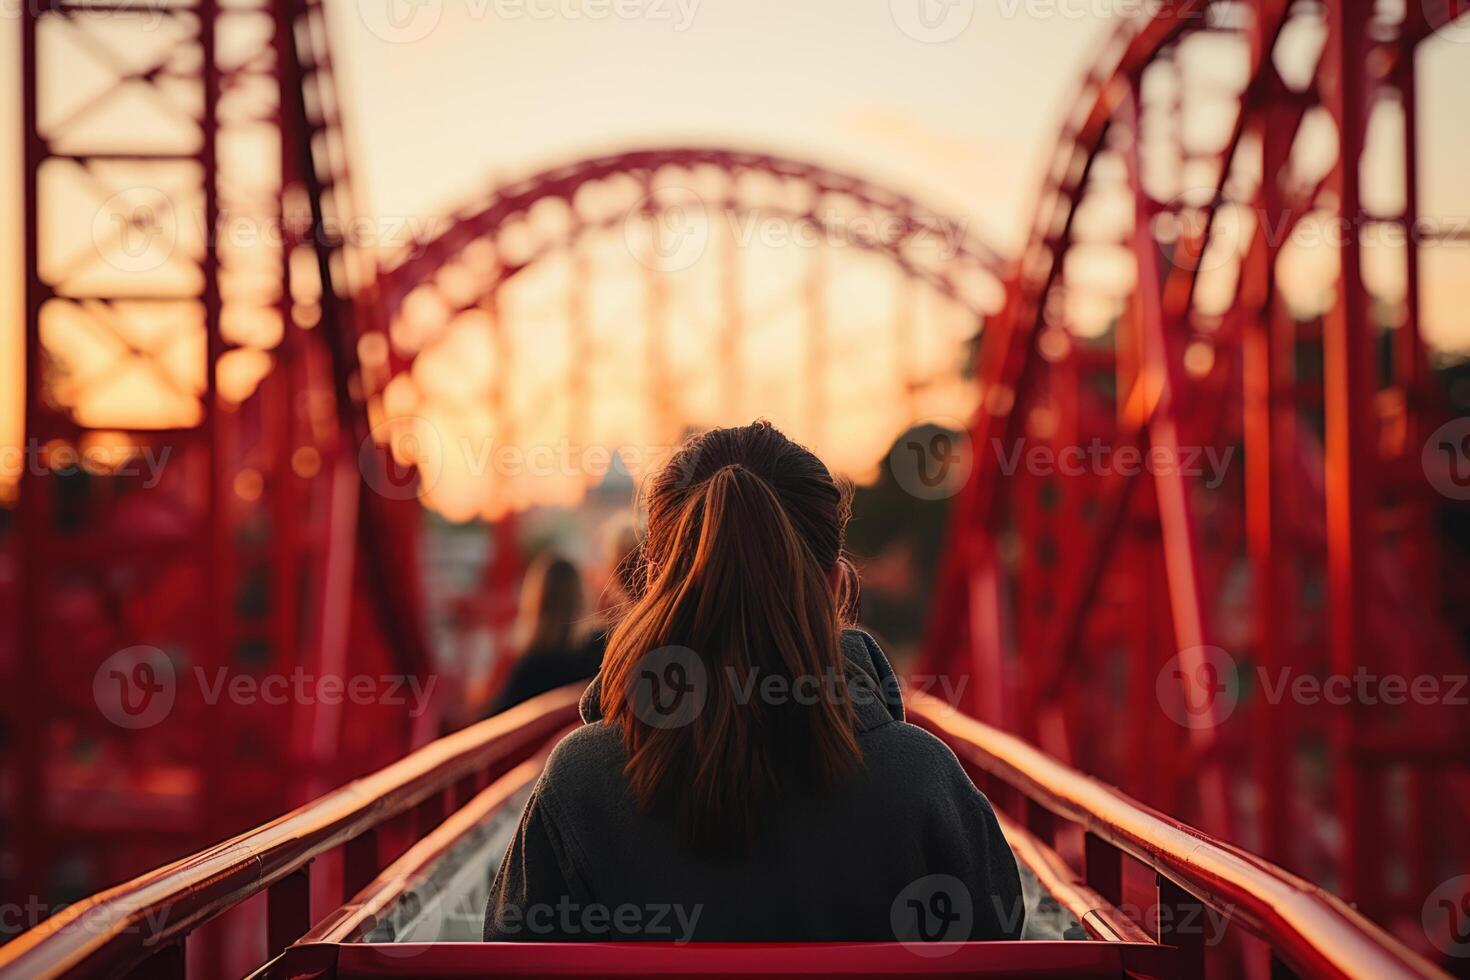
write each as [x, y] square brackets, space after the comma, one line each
[1350, 385]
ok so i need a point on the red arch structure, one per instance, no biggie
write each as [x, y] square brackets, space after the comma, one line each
[655, 204]
[901, 228]
[1075, 596]
[659, 175]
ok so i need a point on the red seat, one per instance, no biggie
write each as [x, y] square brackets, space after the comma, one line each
[769, 960]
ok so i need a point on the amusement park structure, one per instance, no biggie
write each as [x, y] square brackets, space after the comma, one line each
[1317, 556]
[1136, 623]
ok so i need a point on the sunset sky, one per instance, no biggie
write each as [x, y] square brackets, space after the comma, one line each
[448, 97]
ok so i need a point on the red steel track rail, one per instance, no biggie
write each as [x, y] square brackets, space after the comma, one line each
[354, 920]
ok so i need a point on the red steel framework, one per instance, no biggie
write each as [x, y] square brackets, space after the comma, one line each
[1122, 590]
[190, 299]
[707, 190]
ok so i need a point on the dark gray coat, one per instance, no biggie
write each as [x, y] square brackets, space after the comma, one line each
[906, 850]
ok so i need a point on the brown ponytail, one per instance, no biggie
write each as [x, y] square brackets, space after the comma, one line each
[745, 532]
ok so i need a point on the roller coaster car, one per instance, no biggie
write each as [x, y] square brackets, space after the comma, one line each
[409, 845]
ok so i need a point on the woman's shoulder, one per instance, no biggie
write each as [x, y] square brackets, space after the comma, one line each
[585, 768]
[594, 741]
[921, 759]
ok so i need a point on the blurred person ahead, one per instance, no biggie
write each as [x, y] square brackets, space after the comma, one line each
[554, 643]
